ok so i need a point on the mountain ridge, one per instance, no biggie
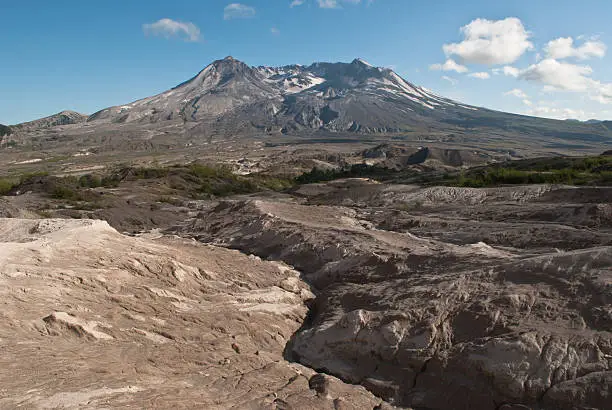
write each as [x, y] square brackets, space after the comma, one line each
[229, 98]
[228, 84]
[65, 117]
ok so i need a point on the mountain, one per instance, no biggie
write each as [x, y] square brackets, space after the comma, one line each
[228, 98]
[354, 97]
[61, 118]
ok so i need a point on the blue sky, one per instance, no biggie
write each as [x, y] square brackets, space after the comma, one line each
[545, 57]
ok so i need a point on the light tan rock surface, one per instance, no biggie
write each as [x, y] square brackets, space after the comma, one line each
[94, 319]
[432, 324]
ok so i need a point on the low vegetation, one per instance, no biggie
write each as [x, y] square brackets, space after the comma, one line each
[196, 181]
[354, 171]
[200, 181]
[596, 170]
[569, 171]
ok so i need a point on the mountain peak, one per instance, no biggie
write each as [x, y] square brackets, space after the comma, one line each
[229, 63]
[361, 61]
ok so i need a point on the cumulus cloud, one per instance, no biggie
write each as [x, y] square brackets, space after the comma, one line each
[561, 76]
[563, 47]
[449, 65]
[481, 75]
[517, 92]
[237, 10]
[171, 28]
[491, 42]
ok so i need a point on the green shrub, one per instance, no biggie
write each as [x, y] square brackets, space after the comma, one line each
[6, 186]
[30, 175]
[354, 171]
[65, 192]
[90, 181]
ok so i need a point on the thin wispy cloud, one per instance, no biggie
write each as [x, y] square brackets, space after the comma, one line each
[237, 11]
[507, 70]
[329, 4]
[169, 28]
[275, 31]
[559, 113]
[450, 80]
[516, 92]
[449, 65]
[336, 4]
[483, 75]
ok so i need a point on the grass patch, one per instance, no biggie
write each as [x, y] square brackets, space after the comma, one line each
[6, 186]
[568, 171]
[595, 170]
[195, 180]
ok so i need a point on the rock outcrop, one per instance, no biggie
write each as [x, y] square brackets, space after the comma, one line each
[91, 318]
[433, 324]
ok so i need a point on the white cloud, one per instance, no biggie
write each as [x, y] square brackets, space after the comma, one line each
[334, 4]
[449, 65]
[328, 4]
[296, 3]
[560, 113]
[482, 75]
[527, 102]
[507, 70]
[517, 92]
[561, 76]
[563, 47]
[275, 31]
[511, 71]
[450, 80]
[237, 10]
[491, 42]
[171, 28]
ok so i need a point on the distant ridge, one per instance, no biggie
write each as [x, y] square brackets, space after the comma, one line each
[61, 118]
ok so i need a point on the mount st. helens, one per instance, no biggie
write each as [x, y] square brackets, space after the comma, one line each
[295, 104]
[354, 97]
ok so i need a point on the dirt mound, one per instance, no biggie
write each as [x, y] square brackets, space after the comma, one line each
[399, 157]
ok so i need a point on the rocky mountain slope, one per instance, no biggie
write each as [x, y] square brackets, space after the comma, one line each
[5, 130]
[61, 118]
[338, 97]
[229, 101]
